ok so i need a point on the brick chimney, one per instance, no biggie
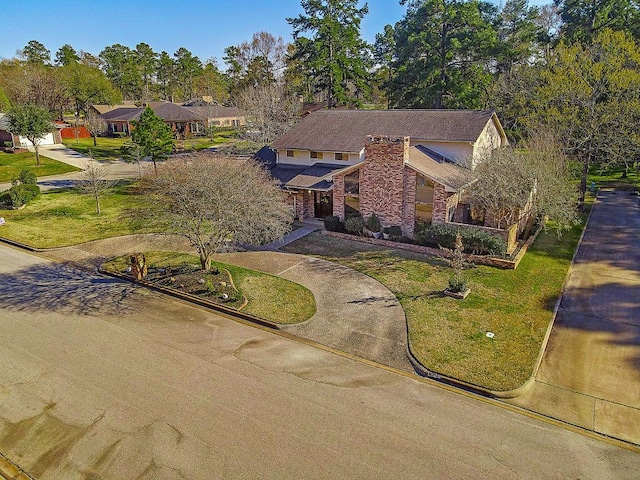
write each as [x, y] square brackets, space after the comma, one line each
[382, 178]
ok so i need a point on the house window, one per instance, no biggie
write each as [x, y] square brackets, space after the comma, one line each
[424, 199]
[341, 156]
[317, 155]
[352, 193]
[290, 153]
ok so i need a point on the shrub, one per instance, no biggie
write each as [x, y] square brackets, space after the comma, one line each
[354, 225]
[5, 198]
[373, 223]
[333, 224]
[21, 194]
[393, 231]
[26, 177]
[475, 241]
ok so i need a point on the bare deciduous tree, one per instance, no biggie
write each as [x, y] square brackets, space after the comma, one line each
[95, 124]
[95, 181]
[539, 178]
[269, 111]
[214, 201]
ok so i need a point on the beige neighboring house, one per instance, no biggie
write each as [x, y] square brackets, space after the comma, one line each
[217, 115]
[406, 166]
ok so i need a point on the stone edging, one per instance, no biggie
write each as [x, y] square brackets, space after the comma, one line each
[478, 259]
[195, 299]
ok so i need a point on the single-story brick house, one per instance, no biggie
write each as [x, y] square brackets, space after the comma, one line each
[183, 120]
[403, 165]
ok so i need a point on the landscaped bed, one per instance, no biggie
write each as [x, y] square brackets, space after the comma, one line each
[266, 296]
[449, 336]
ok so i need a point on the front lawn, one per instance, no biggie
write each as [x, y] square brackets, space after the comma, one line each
[449, 336]
[11, 164]
[65, 217]
[269, 297]
[108, 148]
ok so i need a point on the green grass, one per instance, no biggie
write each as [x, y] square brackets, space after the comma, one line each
[614, 177]
[269, 297]
[65, 217]
[448, 336]
[108, 148]
[11, 164]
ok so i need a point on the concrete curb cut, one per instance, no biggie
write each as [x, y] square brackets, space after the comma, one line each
[520, 390]
[194, 299]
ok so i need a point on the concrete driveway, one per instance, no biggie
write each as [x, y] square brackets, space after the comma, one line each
[115, 170]
[355, 313]
[590, 374]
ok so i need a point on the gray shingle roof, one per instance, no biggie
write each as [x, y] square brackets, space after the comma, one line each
[169, 112]
[346, 130]
[215, 111]
[315, 177]
[439, 168]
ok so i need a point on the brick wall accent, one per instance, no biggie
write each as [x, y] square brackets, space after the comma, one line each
[409, 203]
[440, 203]
[338, 196]
[382, 178]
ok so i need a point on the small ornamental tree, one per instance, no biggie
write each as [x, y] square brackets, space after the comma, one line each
[94, 181]
[31, 122]
[154, 136]
[215, 201]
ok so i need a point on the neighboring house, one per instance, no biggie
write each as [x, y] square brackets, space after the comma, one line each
[22, 142]
[404, 165]
[101, 109]
[184, 120]
[217, 115]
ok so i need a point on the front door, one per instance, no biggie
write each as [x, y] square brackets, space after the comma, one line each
[323, 204]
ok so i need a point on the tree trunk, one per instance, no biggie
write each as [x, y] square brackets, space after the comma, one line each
[95, 140]
[205, 261]
[35, 147]
[97, 198]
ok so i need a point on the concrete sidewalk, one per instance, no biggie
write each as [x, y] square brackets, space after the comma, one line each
[590, 373]
[63, 154]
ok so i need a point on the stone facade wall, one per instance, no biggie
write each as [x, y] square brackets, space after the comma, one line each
[302, 204]
[440, 202]
[338, 196]
[409, 203]
[382, 179]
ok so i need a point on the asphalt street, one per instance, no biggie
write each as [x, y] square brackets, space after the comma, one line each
[100, 379]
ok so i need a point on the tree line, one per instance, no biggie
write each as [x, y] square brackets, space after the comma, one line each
[571, 66]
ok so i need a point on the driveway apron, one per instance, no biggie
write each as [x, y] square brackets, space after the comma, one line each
[590, 374]
[355, 313]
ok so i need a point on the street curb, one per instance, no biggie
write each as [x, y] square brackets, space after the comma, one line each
[10, 471]
[195, 299]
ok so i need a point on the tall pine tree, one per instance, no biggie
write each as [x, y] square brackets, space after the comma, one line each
[334, 54]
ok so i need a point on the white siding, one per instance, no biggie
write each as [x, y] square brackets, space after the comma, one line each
[489, 140]
[303, 157]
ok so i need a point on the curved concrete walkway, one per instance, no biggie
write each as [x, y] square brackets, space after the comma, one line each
[355, 313]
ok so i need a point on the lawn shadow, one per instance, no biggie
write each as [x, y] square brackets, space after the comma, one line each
[62, 289]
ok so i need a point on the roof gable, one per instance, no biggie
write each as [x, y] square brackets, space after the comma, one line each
[346, 130]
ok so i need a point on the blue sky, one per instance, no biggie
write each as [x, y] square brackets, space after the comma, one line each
[205, 28]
